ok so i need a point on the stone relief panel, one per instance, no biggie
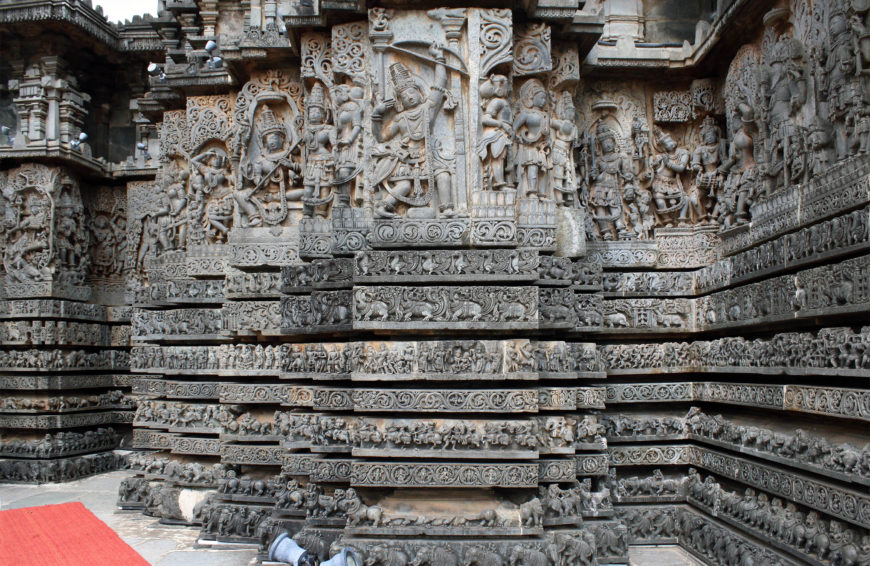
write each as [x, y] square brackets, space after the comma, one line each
[45, 238]
[350, 206]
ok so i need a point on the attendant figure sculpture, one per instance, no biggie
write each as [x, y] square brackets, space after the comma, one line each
[348, 127]
[319, 162]
[608, 171]
[670, 198]
[706, 163]
[532, 131]
[497, 130]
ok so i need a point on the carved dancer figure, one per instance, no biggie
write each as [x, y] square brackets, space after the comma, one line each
[732, 205]
[562, 155]
[667, 187]
[411, 166]
[208, 171]
[497, 123]
[348, 127]
[319, 162]
[532, 131]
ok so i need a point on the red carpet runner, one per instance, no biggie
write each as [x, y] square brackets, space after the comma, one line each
[61, 535]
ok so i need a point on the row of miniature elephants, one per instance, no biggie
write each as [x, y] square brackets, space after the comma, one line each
[800, 531]
[711, 539]
[706, 537]
[59, 469]
[703, 536]
[59, 444]
[224, 512]
[657, 485]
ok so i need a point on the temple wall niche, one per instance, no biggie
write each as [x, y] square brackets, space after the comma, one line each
[452, 285]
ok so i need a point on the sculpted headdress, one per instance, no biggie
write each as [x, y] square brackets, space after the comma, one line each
[528, 91]
[709, 125]
[269, 123]
[317, 97]
[605, 132]
[402, 81]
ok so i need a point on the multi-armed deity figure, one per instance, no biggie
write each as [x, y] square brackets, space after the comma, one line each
[497, 130]
[707, 164]
[532, 131]
[562, 153]
[610, 169]
[267, 174]
[26, 256]
[672, 204]
[408, 168]
[319, 163]
[784, 89]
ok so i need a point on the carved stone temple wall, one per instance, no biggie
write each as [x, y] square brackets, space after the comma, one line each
[466, 285]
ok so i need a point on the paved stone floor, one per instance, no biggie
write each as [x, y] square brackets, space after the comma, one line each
[177, 546]
[160, 545]
[661, 556]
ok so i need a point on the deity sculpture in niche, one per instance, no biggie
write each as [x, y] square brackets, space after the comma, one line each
[608, 172]
[672, 203]
[108, 231]
[496, 119]
[26, 256]
[784, 92]
[44, 235]
[319, 162]
[843, 88]
[269, 173]
[410, 162]
[707, 161]
[532, 131]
